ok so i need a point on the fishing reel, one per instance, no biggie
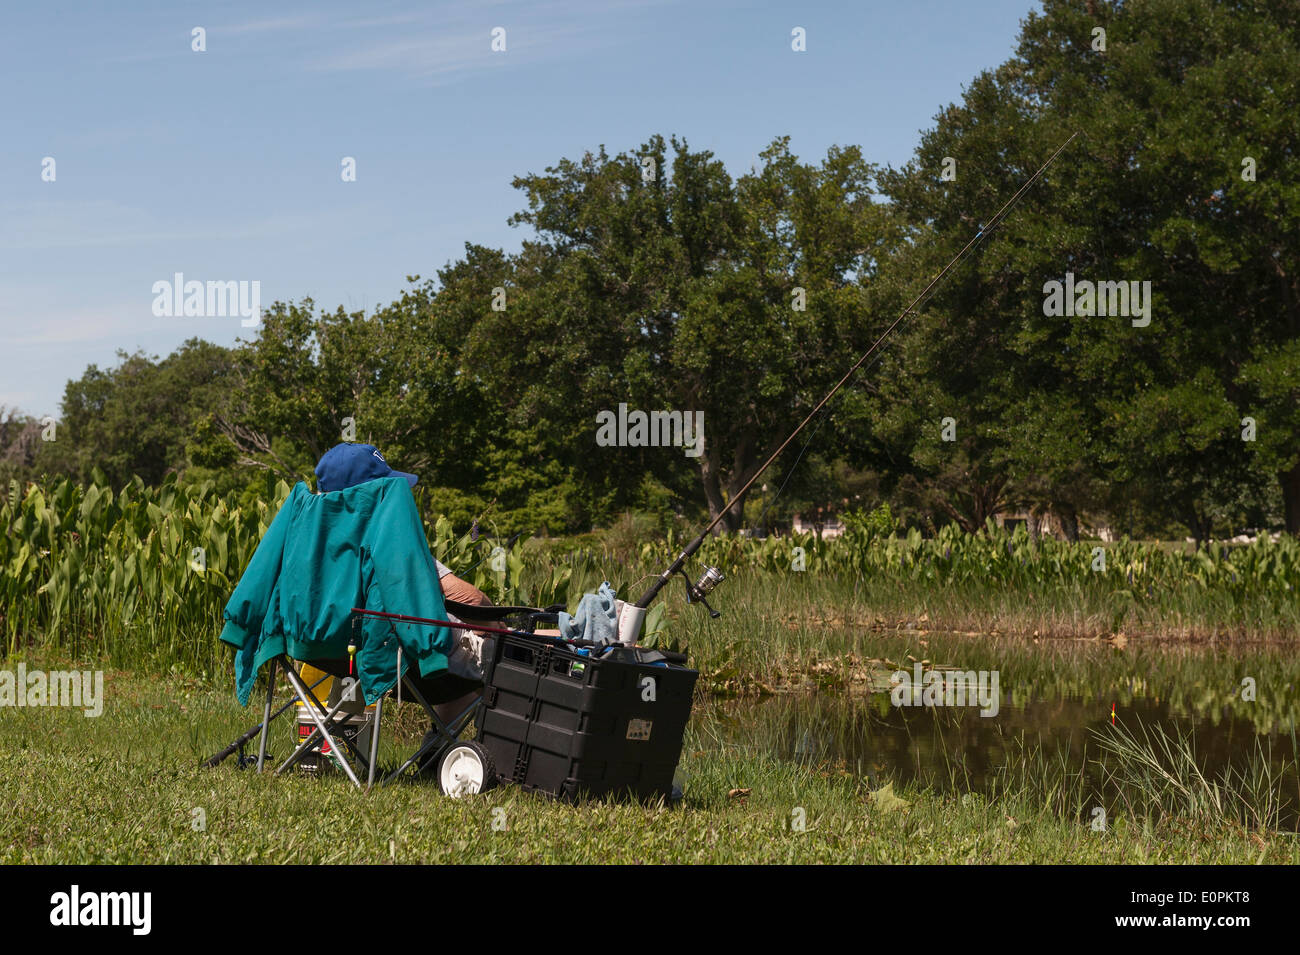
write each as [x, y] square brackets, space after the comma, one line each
[696, 592]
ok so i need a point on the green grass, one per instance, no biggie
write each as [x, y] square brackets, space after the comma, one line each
[111, 578]
[124, 787]
[1159, 776]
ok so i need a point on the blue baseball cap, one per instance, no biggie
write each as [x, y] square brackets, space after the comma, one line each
[347, 464]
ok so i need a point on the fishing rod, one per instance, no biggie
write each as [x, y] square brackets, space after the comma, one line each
[503, 631]
[698, 592]
[214, 761]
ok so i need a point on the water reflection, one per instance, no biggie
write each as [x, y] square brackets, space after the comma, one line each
[955, 749]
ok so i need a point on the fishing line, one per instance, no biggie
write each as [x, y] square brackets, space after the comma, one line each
[992, 224]
[912, 311]
[789, 474]
[807, 444]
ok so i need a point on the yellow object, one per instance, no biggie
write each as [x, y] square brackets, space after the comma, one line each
[309, 675]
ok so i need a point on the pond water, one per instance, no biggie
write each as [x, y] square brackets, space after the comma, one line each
[953, 749]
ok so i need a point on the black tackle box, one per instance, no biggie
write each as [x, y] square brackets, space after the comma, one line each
[571, 725]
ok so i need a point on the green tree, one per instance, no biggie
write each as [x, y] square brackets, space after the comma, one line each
[1095, 411]
[685, 290]
[137, 418]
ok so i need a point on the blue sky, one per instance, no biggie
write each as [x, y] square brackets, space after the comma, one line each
[225, 164]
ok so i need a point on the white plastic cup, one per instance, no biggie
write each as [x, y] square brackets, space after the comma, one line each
[630, 620]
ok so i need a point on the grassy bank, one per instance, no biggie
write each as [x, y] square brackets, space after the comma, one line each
[124, 787]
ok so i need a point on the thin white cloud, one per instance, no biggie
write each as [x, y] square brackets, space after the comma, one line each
[16, 400]
[273, 25]
[59, 224]
[59, 328]
[394, 20]
[440, 53]
[436, 43]
[175, 45]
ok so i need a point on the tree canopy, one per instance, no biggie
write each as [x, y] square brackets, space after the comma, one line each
[655, 279]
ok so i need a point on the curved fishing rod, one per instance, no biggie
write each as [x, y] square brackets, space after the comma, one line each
[697, 592]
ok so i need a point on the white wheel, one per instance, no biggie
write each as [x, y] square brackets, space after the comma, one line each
[466, 769]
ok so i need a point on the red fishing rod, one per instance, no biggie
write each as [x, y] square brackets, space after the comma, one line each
[504, 631]
[698, 591]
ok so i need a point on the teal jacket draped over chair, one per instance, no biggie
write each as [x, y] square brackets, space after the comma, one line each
[324, 554]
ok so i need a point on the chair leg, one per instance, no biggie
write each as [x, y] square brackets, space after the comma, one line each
[448, 731]
[305, 745]
[309, 698]
[463, 719]
[374, 743]
[266, 715]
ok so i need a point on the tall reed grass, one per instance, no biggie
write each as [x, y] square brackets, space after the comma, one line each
[140, 575]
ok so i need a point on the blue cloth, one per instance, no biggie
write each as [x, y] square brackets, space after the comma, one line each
[595, 620]
[347, 465]
[325, 554]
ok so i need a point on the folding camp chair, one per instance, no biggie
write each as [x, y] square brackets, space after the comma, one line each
[461, 774]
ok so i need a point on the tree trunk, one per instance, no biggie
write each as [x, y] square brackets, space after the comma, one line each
[743, 467]
[1200, 525]
[734, 519]
[709, 480]
[988, 499]
[985, 501]
[1290, 481]
[1069, 522]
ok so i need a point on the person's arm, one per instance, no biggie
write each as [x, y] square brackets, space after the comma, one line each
[462, 591]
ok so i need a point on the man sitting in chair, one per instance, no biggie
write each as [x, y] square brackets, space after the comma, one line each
[345, 465]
